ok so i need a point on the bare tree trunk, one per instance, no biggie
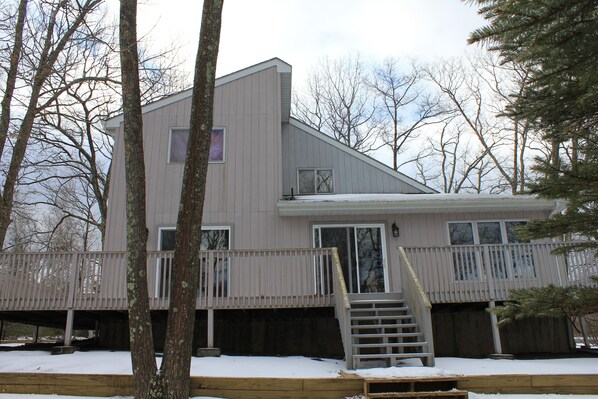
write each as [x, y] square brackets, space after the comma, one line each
[181, 316]
[11, 75]
[173, 379]
[140, 325]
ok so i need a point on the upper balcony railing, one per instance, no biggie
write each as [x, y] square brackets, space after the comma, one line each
[481, 273]
[237, 279]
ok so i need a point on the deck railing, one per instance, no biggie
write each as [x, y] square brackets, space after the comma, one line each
[482, 273]
[419, 303]
[228, 279]
[342, 306]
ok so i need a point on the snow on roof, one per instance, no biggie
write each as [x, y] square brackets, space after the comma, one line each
[338, 204]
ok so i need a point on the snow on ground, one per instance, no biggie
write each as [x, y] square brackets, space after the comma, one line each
[544, 396]
[471, 396]
[107, 362]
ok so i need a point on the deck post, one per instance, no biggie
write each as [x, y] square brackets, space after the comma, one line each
[35, 334]
[68, 331]
[210, 327]
[1, 330]
[495, 330]
[67, 348]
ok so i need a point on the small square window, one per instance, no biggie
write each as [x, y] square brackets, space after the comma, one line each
[315, 181]
[179, 139]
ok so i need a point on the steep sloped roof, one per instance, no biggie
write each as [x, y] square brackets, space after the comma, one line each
[283, 68]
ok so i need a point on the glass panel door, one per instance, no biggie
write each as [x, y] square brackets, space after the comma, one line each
[489, 233]
[361, 254]
[465, 264]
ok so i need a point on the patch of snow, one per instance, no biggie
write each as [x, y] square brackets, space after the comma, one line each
[106, 362]
[542, 396]
[536, 366]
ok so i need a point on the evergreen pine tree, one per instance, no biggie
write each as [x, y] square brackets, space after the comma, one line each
[551, 301]
[558, 40]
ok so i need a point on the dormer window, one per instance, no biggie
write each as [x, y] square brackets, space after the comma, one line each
[315, 181]
[179, 137]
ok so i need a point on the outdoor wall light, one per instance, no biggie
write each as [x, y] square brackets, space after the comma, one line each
[395, 230]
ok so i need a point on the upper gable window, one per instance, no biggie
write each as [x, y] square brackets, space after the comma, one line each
[179, 137]
[315, 181]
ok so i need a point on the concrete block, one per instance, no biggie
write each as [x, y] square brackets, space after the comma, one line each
[63, 350]
[208, 352]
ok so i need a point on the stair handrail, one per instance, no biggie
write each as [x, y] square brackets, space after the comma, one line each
[342, 306]
[417, 299]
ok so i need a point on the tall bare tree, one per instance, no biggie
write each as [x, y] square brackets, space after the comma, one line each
[11, 73]
[451, 163]
[55, 28]
[67, 159]
[479, 90]
[140, 323]
[337, 102]
[405, 105]
[173, 379]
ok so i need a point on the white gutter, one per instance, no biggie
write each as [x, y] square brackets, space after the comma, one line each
[410, 203]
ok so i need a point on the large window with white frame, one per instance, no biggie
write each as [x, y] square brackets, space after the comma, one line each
[503, 261]
[315, 181]
[179, 139]
[213, 238]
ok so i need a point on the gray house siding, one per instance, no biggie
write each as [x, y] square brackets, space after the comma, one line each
[352, 175]
[262, 154]
[241, 192]
[416, 230]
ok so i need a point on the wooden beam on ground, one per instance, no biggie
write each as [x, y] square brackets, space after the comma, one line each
[586, 384]
[292, 388]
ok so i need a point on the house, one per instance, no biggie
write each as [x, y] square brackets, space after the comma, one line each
[411, 276]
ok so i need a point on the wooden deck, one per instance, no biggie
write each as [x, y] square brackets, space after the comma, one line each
[484, 273]
[238, 279]
[308, 388]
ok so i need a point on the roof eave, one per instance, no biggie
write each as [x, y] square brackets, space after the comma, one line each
[317, 208]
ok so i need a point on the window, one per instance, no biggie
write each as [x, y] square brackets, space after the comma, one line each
[179, 137]
[512, 261]
[315, 181]
[212, 239]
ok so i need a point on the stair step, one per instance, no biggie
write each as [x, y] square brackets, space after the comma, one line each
[391, 355]
[406, 395]
[382, 326]
[388, 335]
[375, 301]
[383, 317]
[394, 309]
[391, 345]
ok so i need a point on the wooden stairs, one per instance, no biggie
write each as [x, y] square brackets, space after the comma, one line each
[384, 331]
[414, 388]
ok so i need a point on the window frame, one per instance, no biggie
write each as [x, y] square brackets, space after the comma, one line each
[173, 228]
[314, 171]
[509, 264]
[476, 236]
[173, 128]
[203, 228]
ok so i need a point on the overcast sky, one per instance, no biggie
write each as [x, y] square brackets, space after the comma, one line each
[302, 32]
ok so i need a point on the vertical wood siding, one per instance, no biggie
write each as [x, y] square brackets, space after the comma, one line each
[241, 192]
[351, 174]
[260, 166]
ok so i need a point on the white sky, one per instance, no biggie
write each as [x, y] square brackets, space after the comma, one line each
[301, 32]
